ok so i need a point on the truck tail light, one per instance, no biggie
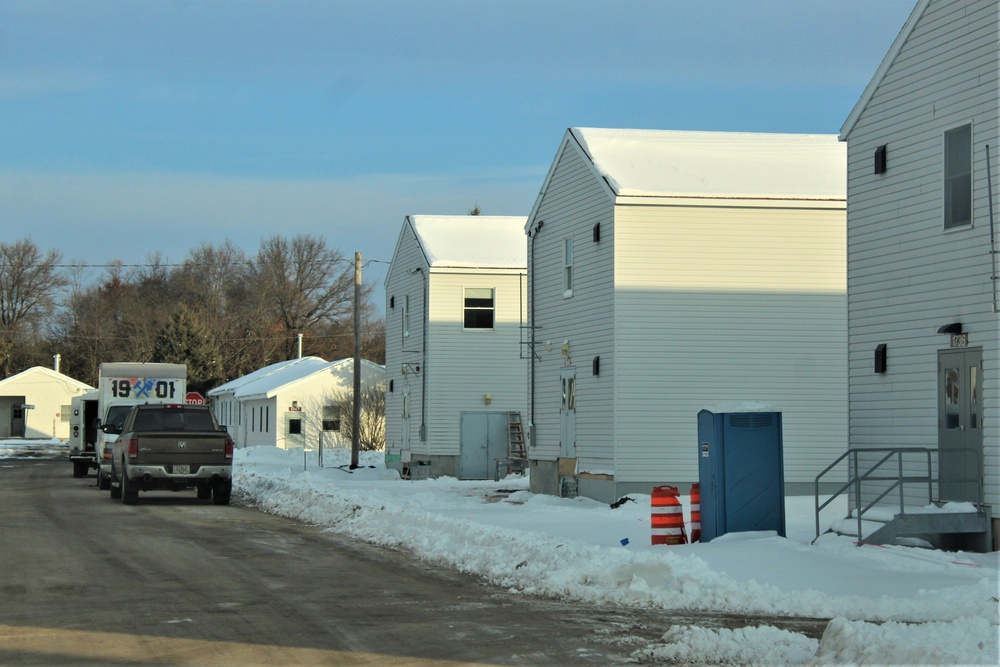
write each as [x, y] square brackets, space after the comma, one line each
[133, 448]
[229, 448]
[107, 453]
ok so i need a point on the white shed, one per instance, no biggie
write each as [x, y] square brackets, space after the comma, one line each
[922, 143]
[36, 403]
[673, 270]
[455, 306]
[292, 403]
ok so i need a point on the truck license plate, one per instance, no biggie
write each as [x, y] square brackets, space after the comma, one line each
[182, 470]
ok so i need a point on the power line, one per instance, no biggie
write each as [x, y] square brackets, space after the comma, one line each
[113, 265]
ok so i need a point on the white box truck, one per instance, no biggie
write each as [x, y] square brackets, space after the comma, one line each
[120, 385]
[83, 433]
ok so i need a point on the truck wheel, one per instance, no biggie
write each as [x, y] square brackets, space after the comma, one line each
[129, 491]
[204, 492]
[80, 468]
[116, 491]
[222, 491]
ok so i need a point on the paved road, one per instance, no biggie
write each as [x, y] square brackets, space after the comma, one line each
[174, 580]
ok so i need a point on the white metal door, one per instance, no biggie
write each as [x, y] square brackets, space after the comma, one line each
[406, 420]
[567, 413]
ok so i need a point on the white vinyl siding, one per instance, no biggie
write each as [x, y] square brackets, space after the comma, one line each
[465, 365]
[722, 304]
[405, 286]
[458, 365]
[574, 202]
[907, 275]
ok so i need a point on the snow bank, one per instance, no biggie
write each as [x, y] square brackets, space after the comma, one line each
[584, 550]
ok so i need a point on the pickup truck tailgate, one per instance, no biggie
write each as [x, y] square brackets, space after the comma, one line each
[192, 448]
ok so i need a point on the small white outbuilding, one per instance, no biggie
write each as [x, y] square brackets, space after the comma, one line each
[36, 403]
[292, 403]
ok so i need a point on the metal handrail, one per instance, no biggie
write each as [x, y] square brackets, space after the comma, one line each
[898, 481]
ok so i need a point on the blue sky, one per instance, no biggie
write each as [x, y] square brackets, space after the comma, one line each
[129, 127]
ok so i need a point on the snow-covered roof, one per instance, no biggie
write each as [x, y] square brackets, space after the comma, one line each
[266, 382]
[303, 363]
[49, 374]
[669, 163]
[472, 241]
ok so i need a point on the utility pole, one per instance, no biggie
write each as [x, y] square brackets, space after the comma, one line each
[356, 421]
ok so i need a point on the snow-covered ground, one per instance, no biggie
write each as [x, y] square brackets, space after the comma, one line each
[889, 605]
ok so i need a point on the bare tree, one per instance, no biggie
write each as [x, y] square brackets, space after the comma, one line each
[29, 285]
[216, 283]
[304, 283]
[372, 426]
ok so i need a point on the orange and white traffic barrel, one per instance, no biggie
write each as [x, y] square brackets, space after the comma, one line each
[695, 512]
[666, 516]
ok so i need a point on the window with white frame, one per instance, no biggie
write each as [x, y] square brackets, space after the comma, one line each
[479, 308]
[406, 316]
[958, 177]
[568, 267]
[331, 417]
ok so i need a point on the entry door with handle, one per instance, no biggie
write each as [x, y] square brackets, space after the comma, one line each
[960, 427]
[567, 413]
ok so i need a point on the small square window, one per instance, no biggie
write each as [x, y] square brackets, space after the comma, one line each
[479, 310]
[295, 427]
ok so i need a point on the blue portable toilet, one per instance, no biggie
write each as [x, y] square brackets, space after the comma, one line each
[740, 470]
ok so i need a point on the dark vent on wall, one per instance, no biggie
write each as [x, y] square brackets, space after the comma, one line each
[881, 164]
[881, 358]
[597, 365]
[597, 233]
[390, 386]
[392, 302]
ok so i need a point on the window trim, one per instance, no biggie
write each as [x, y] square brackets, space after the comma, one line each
[568, 258]
[331, 417]
[947, 179]
[406, 316]
[492, 308]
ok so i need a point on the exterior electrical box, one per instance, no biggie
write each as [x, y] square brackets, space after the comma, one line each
[740, 470]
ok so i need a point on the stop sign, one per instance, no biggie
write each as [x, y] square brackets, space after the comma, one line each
[194, 398]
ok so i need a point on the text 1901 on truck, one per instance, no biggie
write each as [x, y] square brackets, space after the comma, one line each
[122, 385]
[172, 448]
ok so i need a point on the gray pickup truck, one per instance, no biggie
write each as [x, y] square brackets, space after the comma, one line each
[171, 448]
